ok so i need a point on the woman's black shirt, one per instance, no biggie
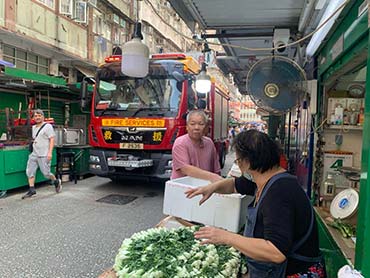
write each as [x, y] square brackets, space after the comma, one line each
[283, 218]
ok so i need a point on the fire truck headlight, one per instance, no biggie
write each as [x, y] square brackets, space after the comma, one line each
[95, 166]
[168, 172]
[94, 159]
[169, 163]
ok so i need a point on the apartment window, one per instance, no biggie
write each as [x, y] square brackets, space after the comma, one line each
[25, 60]
[122, 22]
[75, 9]
[66, 7]
[116, 35]
[98, 23]
[49, 3]
[81, 12]
[107, 30]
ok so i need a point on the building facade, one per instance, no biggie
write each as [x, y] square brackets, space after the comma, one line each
[70, 38]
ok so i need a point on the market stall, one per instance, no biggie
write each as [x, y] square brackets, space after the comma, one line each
[342, 142]
[22, 91]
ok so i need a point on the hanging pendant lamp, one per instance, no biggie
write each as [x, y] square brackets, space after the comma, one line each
[135, 55]
[203, 81]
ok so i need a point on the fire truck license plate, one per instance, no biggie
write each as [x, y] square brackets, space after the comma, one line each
[132, 146]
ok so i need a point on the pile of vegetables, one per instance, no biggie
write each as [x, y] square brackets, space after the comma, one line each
[347, 230]
[175, 253]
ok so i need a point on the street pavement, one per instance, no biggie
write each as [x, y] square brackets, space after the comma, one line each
[70, 234]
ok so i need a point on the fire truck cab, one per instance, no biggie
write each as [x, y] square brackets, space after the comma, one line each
[135, 121]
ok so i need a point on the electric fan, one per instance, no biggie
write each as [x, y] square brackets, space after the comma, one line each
[276, 84]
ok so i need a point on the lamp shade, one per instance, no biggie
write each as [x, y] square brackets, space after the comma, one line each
[203, 83]
[135, 58]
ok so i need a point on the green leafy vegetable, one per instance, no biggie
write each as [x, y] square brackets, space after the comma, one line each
[175, 253]
[345, 229]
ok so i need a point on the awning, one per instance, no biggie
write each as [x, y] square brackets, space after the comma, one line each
[20, 76]
[85, 71]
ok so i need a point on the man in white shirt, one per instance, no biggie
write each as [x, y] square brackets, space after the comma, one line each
[43, 143]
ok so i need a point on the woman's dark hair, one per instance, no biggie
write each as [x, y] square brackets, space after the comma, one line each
[259, 149]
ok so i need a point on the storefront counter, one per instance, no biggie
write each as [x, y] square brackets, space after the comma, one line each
[337, 250]
[13, 163]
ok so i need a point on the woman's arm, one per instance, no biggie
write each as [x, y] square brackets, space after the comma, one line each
[255, 248]
[223, 186]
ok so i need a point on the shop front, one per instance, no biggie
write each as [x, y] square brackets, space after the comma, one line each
[22, 91]
[341, 161]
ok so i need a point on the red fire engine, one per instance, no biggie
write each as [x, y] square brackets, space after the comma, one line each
[135, 121]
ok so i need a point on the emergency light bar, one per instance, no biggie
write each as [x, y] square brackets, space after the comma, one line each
[113, 58]
[169, 56]
[118, 58]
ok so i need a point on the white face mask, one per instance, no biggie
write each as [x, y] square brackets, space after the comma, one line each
[248, 176]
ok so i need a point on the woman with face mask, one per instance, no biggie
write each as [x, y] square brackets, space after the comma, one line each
[280, 237]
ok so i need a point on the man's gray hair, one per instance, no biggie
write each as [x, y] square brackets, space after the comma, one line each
[38, 111]
[197, 112]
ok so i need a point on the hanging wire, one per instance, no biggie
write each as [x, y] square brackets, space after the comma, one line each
[248, 48]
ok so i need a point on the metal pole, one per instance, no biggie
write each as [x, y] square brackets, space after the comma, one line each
[362, 257]
[288, 141]
[310, 158]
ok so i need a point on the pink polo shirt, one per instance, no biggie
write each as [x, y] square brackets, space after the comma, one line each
[203, 156]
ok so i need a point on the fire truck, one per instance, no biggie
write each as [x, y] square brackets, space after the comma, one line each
[135, 121]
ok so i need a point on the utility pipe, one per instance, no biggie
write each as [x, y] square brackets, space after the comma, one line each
[306, 14]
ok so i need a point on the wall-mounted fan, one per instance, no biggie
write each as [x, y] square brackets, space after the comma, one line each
[276, 84]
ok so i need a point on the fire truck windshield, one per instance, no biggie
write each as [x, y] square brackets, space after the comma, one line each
[128, 97]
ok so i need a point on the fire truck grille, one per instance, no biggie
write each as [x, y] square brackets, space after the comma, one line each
[148, 137]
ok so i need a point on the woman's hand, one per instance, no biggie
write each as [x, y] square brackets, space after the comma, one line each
[206, 191]
[212, 235]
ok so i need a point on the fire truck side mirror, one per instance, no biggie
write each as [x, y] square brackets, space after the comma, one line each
[85, 95]
[84, 89]
[178, 76]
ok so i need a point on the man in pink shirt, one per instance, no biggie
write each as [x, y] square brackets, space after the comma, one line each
[194, 154]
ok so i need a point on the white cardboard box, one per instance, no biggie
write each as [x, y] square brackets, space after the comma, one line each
[228, 211]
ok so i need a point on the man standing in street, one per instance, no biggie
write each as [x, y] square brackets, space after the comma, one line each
[194, 154]
[43, 143]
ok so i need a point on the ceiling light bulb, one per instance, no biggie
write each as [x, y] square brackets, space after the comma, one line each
[203, 82]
